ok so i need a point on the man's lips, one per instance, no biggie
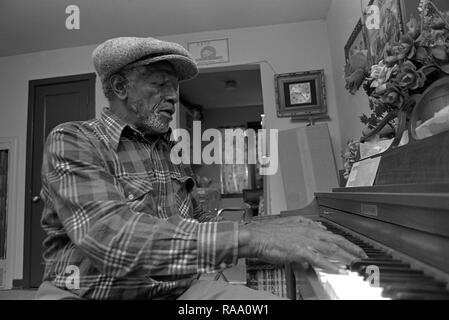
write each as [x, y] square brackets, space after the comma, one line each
[167, 112]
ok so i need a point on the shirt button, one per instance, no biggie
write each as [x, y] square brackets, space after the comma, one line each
[130, 197]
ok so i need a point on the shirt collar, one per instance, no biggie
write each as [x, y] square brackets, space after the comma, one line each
[115, 127]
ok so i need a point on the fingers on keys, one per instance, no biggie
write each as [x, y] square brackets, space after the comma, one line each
[322, 262]
[300, 220]
[350, 247]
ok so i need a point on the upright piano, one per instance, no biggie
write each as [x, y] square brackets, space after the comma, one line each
[402, 223]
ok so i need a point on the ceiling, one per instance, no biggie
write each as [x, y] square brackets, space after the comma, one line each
[30, 26]
[208, 88]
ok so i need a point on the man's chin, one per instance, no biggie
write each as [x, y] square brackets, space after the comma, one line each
[152, 130]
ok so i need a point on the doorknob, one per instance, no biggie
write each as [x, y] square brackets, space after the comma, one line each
[36, 199]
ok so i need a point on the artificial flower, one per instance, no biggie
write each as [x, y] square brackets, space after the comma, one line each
[440, 52]
[392, 96]
[380, 74]
[408, 67]
[409, 78]
[414, 28]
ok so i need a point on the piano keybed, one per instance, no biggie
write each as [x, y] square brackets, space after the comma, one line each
[398, 278]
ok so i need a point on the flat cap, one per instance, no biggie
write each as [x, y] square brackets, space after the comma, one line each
[117, 53]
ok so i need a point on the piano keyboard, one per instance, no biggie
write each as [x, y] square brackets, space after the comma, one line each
[397, 279]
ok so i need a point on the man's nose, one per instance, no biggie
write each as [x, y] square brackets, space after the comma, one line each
[171, 94]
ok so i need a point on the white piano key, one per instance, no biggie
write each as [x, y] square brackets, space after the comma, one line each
[349, 286]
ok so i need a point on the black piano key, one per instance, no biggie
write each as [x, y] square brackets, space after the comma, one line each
[380, 261]
[396, 268]
[421, 290]
[414, 282]
[392, 271]
[396, 277]
[374, 252]
[406, 295]
[359, 264]
[378, 252]
[411, 286]
[378, 256]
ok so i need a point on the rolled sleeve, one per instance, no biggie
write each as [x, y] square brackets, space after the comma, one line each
[217, 245]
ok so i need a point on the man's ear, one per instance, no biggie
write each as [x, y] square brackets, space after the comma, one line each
[119, 86]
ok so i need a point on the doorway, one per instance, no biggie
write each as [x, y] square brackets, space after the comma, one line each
[226, 98]
[50, 102]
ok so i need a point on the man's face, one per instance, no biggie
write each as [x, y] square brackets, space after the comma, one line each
[152, 94]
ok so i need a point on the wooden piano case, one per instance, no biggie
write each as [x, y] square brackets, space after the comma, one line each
[407, 208]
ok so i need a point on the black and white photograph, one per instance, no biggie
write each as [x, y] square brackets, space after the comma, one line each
[259, 154]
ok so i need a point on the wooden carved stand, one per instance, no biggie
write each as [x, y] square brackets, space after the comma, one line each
[417, 109]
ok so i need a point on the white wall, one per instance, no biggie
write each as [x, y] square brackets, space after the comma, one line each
[288, 48]
[342, 17]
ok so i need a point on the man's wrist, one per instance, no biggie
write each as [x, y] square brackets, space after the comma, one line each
[244, 241]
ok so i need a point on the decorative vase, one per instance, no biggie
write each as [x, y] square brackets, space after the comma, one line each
[432, 100]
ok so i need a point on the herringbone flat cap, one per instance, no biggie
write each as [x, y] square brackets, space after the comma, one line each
[114, 54]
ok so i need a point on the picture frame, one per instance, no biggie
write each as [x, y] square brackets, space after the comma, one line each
[301, 95]
[207, 52]
[410, 8]
[356, 41]
[392, 26]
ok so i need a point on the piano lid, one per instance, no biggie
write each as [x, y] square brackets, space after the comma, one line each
[419, 166]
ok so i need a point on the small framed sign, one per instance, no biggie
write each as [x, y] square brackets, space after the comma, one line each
[363, 173]
[301, 94]
[209, 51]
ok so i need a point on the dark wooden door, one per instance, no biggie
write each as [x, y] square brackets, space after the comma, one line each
[52, 102]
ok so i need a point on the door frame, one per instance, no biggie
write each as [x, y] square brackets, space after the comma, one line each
[32, 86]
[10, 144]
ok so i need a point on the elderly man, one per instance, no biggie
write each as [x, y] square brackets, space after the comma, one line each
[121, 219]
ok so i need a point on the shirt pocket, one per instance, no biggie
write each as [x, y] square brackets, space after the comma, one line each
[181, 197]
[138, 193]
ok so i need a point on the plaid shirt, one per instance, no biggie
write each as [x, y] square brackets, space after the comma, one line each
[122, 214]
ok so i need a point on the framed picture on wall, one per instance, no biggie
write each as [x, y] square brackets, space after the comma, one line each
[391, 26]
[300, 94]
[356, 42]
[410, 8]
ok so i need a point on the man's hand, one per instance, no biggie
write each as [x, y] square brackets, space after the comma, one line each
[292, 220]
[297, 240]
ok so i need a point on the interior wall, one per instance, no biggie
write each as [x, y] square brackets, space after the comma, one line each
[279, 49]
[342, 17]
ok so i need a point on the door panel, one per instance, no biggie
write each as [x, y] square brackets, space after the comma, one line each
[54, 103]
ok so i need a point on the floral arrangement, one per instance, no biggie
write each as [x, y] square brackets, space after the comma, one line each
[407, 68]
[350, 155]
